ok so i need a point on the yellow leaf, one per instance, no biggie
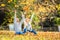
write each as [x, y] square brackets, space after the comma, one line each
[9, 1]
[16, 6]
[2, 5]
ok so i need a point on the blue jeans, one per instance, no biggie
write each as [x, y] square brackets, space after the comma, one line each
[19, 33]
[33, 31]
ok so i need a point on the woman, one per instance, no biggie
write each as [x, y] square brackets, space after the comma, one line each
[28, 26]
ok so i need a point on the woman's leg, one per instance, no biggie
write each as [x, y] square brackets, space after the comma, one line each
[30, 29]
[25, 30]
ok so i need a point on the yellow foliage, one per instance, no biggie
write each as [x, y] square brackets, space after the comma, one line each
[30, 1]
[23, 3]
[2, 5]
[35, 8]
[9, 1]
[26, 8]
[10, 20]
[27, 2]
[58, 7]
[30, 36]
[42, 9]
[16, 6]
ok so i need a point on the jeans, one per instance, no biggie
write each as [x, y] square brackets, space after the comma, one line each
[19, 33]
[32, 31]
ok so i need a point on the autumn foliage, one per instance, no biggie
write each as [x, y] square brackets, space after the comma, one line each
[10, 35]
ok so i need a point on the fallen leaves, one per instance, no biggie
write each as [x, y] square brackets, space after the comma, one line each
[8, 35]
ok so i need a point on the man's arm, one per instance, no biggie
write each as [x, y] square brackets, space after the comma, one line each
[15, 17]
[23, 18]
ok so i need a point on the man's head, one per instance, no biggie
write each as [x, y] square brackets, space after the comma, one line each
[17, 19]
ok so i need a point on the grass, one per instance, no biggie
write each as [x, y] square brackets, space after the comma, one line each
[10, 35]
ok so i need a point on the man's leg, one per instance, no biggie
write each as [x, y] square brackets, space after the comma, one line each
[33, 31]
[25, 30]
[19, 33]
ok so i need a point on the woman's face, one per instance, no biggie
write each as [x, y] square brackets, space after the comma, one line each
[27, 19]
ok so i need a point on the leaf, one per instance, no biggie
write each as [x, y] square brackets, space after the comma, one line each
[15, 1]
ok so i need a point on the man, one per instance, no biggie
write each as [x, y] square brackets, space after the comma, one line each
[18, 24]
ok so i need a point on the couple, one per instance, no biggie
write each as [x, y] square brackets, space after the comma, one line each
[26, 22]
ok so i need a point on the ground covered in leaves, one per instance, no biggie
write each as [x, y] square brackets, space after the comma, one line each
[10, 35]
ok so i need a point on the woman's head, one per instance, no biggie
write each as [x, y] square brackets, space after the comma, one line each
[27, 19]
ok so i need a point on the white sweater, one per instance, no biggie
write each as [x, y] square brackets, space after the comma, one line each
[18, 25]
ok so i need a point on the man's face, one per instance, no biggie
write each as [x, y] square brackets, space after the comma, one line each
[17, 19]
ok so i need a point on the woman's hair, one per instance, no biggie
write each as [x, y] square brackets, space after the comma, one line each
[27, 19]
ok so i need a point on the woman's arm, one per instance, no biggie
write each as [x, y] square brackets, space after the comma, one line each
[31, 17]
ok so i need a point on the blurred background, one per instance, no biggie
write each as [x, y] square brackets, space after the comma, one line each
[46, 18]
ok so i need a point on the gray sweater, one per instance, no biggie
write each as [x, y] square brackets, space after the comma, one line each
[18, 25]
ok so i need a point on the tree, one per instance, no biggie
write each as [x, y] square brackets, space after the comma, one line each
[41, 8]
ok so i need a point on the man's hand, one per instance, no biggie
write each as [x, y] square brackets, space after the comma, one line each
[22, 15]
[15, 11]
